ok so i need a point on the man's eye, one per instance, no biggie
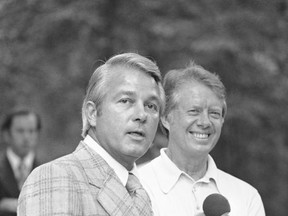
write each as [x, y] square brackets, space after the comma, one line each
[124, 101]
[216, 115]
[152, 107]
[193, 111]
[21, 131]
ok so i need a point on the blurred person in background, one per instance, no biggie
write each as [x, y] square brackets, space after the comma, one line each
[184, 175]
[120, 113]
[20, 130]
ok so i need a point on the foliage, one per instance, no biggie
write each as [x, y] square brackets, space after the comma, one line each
[48, 50]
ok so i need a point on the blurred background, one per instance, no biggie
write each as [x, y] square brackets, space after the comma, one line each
[49, 49]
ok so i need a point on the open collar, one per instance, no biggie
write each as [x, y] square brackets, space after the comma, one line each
[168, 174]
[15, 160]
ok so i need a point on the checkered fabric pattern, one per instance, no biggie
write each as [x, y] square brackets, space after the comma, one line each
[78, 184]
[140, 197]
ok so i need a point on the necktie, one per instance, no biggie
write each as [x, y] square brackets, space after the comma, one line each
[139, 195]
[22, 174]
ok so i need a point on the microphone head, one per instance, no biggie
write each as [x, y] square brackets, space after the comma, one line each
[216, 205]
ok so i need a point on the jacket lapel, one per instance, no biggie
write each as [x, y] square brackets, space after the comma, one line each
[112, 195]
[8, 178]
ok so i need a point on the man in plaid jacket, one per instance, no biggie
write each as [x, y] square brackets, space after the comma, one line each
[120, 116]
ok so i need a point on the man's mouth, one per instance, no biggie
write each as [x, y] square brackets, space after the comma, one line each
[200, 135]
[137, 133]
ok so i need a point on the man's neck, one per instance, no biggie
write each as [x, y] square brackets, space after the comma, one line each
[195, 167]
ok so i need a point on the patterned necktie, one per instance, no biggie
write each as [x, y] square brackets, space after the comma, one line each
[22, 174]
[139, 195]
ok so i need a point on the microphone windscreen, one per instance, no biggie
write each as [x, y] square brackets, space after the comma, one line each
[216, 205]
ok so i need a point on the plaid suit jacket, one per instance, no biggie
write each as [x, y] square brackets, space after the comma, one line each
[81, 183]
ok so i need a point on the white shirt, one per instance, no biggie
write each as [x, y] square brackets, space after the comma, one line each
[118, 168]
[15, 162]
[173, 192]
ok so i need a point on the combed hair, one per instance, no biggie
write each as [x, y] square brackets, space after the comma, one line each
[97, 86]
[7, 122]
[174, 79]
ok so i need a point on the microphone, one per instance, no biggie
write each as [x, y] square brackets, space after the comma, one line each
[216, 205]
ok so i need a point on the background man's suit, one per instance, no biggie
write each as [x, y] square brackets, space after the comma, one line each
[8, 183]
[87, 183]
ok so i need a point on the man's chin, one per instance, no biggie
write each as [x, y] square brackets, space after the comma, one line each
[23, 153]
[136, 154]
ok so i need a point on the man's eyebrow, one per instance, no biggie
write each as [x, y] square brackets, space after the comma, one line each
[155, 98]
[216, 108]
[132, 93]
[124, 92]
[129, 93]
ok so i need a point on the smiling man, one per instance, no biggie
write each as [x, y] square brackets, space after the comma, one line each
[120, 113]
[184, 175]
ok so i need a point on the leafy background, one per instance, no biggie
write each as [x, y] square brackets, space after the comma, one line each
[48, 50]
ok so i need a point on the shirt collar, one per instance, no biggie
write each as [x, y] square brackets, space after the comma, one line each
[169, 173]
[118, 168]
[211, 173]
[15, 160]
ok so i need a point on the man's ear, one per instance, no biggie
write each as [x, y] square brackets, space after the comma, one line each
[224, 112]
[165, 122]
[91, 113]
[222, 121]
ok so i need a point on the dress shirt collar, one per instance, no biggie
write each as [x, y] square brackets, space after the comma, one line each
[118, 168]
[15, 160]
[169, 176]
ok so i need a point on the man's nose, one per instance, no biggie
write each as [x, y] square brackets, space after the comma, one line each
[28, 135]
[204, 120]
[140, 113]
